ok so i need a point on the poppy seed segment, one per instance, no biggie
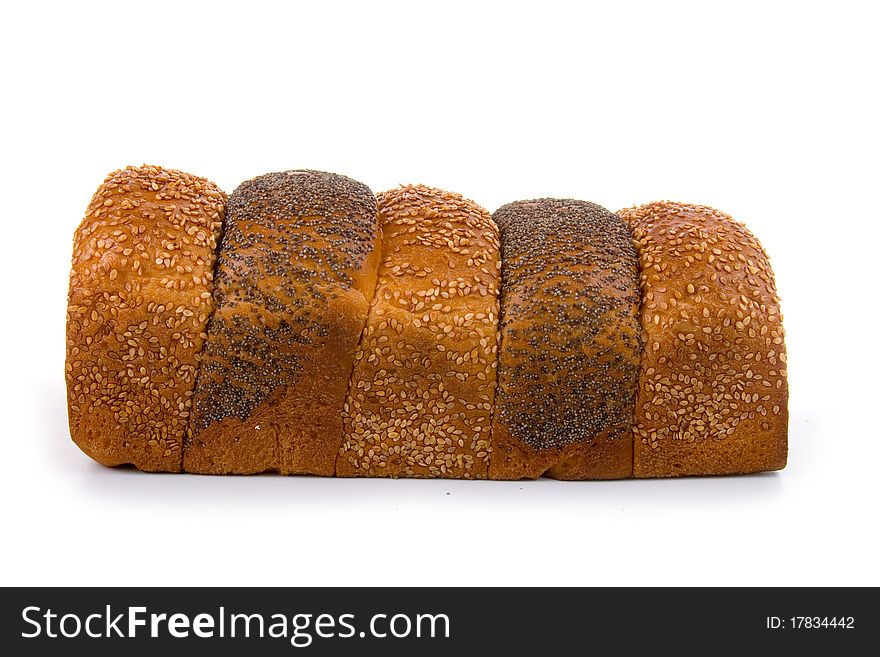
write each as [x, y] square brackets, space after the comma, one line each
[295, 275]
[568, 361]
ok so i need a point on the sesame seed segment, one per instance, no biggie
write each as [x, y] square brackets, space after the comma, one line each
[570, 344]
[713, 392]
[422, 390]
[295, 275]
[139, 300]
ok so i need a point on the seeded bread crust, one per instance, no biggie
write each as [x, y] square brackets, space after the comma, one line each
[713, 393]
[570, 346]
[422, 389]
[295, 275]
[140, 296]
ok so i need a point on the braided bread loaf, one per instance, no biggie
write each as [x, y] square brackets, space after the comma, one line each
[308, 327]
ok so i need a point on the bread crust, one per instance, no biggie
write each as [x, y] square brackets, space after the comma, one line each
[713, 392]
[570, 347]
[139, 299]
[422, 388]
[295, 275]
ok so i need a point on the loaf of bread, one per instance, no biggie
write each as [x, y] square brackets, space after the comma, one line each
[570, 344]
[421, 394]
[308, 327]
[295, 275]
[712, 397]
[140, 296]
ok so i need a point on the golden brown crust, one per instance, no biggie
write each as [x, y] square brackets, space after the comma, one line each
[140, 296]
[423, 385]
[568, 364]
[713, 393]
[295, 274]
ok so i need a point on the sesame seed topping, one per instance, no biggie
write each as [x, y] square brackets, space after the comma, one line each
[714, 350]
[134, 330]
[421, 394]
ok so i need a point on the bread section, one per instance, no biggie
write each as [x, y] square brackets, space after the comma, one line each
[421, 394]
[570, 342]
[295, 276]
[713, 393]
[139, 300]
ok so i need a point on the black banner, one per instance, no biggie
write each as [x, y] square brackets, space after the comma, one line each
[336, 621]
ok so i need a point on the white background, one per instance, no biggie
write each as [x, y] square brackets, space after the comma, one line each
[766, 110]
